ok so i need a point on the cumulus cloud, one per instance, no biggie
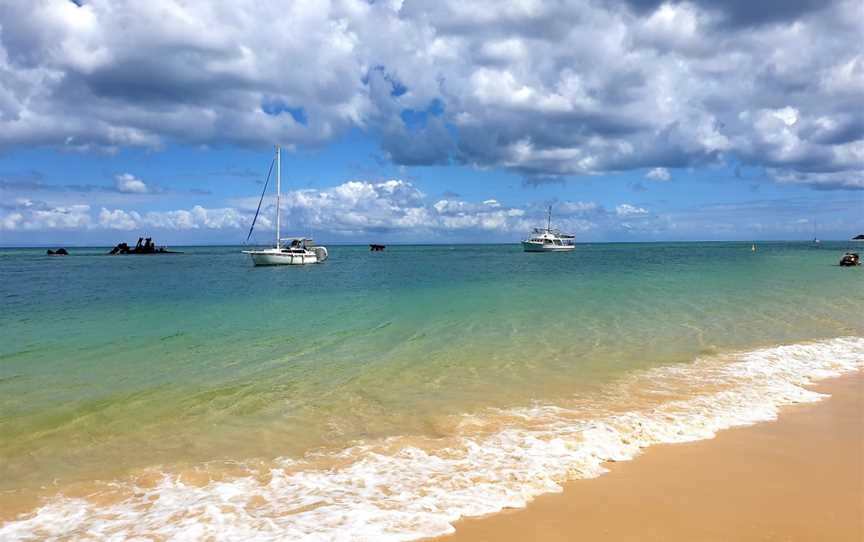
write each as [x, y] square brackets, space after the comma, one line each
[28, 215]
[544, 89]
[361, 210]
[625, 209]
[31, 216]
[353, 207]
[395, 205]
[129, 184]
[398, 207]
[658, 174]
[118, 219]
[195, 218]
[357, 209]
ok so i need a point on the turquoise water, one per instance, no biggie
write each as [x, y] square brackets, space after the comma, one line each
[114, 366]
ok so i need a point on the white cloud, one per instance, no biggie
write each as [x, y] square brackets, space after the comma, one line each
[789, 115]
[450, 206]
[362, 210]
[625, 209]
[35, 217]
[11, 221]
[129, 184]
[197, 217]
[119, 219]
[658, 174]
[545, 89]
[27, 215]
[352, 209]
[394, 205]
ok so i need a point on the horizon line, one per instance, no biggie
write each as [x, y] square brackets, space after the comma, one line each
[424, 243]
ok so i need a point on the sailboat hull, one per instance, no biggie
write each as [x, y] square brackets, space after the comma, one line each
[275, 257]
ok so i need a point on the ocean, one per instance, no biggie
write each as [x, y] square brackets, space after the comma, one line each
[382, 396]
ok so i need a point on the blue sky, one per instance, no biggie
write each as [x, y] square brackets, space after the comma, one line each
[410, 122]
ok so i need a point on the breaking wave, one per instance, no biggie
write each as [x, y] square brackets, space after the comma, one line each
[406, 488]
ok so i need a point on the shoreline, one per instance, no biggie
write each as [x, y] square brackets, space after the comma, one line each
[799, 477]
[519, 461]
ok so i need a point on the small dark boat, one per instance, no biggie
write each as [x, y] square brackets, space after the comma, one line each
[144, 246]
[58, 252]
[376, 248]
[850, 259]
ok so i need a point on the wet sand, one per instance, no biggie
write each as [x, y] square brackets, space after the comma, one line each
[799, 478]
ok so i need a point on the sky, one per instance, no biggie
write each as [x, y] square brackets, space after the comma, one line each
[446, 121]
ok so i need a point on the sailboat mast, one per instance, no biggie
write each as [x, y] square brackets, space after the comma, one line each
[549, 218]
[278, 191]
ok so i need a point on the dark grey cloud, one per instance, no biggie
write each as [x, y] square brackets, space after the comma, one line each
[430, 145]
[745, 12]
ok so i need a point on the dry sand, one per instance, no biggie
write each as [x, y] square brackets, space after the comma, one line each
[797, 479]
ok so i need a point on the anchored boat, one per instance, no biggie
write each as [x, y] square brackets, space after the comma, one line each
[300, 250]
[548, 240]
[850, 259]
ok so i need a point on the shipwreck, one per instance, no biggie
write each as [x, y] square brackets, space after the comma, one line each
[144, 246]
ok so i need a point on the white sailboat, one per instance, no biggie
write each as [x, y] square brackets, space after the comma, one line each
[548, 240]
[299, 251]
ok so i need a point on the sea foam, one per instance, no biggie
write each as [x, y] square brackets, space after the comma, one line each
[408, 488]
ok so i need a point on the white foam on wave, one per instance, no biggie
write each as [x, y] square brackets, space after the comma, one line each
[402, 490]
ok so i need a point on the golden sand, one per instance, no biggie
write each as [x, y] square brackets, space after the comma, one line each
[797, 479]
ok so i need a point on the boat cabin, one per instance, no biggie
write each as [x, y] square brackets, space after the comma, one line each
[551, 237]
[296, 244]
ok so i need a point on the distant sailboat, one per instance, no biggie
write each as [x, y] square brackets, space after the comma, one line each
[753, 247]
[300, 251]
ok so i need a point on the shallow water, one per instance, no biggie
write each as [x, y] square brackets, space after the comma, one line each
[383, 395]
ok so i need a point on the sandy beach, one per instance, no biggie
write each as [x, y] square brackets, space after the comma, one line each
[799, 478]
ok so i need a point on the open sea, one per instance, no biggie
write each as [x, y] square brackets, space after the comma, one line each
[382, 396]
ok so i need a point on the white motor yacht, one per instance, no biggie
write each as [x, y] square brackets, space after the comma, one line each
[548, 240]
